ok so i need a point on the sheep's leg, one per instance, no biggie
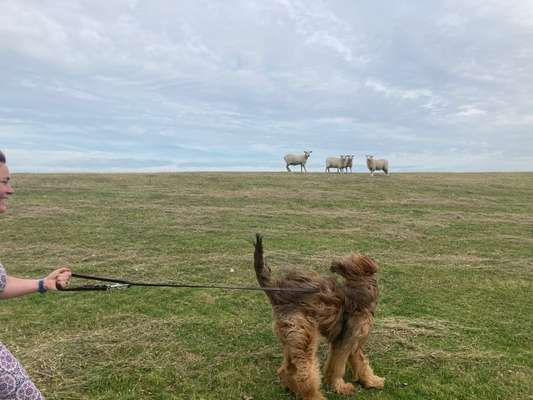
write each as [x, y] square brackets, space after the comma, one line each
[305, 169]
[288, 169]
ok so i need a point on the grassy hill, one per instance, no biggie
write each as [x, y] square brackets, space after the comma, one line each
[455, 251]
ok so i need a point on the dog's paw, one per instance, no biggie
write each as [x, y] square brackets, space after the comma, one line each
[374, 383]
[316, 396]
[343, 388]
[284, 378]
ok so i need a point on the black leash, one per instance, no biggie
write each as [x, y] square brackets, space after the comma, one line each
[123, 284]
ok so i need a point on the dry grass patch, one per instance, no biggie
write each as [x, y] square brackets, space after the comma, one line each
[32, 211]
[390, 332]
[411, 340]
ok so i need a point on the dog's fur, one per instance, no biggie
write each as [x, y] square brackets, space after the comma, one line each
[342, 313]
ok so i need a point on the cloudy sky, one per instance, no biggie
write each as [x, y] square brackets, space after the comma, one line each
[234, 85]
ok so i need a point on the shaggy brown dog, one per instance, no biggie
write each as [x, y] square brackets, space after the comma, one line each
[342, 313]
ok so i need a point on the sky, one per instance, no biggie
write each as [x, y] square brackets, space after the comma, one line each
[196, 85]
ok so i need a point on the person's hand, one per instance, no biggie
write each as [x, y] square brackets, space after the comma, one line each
[60, 277]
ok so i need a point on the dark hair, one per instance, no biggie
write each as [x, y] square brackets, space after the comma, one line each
[2, 158]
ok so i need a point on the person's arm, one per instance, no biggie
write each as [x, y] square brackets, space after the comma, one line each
[19, 287]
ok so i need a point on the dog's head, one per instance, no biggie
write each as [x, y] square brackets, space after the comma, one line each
[354, 266]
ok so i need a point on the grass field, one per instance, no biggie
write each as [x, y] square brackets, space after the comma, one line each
[455, 317]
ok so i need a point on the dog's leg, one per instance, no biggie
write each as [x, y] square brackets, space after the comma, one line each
[307, 377]
[307, 370]
[365, 374]
[300, 370]
[336, 367]
[359, 363]
[286, 371]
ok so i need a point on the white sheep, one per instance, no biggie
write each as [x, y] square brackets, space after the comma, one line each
[376, 165]
[297, 159]
[336, 162]
[349, 162]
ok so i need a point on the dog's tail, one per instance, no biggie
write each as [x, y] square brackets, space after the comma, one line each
[262, 271]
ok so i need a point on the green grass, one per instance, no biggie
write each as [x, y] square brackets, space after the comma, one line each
[454, 320]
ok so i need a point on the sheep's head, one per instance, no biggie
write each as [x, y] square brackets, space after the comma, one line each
[369, 157]
[307, 153]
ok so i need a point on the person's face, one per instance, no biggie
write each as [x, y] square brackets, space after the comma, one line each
[5, 186]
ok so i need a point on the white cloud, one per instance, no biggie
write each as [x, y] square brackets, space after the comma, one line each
[391, 91]
[470, 111]
[333, 43]
[226, 80]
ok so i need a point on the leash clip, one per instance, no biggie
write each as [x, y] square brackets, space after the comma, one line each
[118, 286]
